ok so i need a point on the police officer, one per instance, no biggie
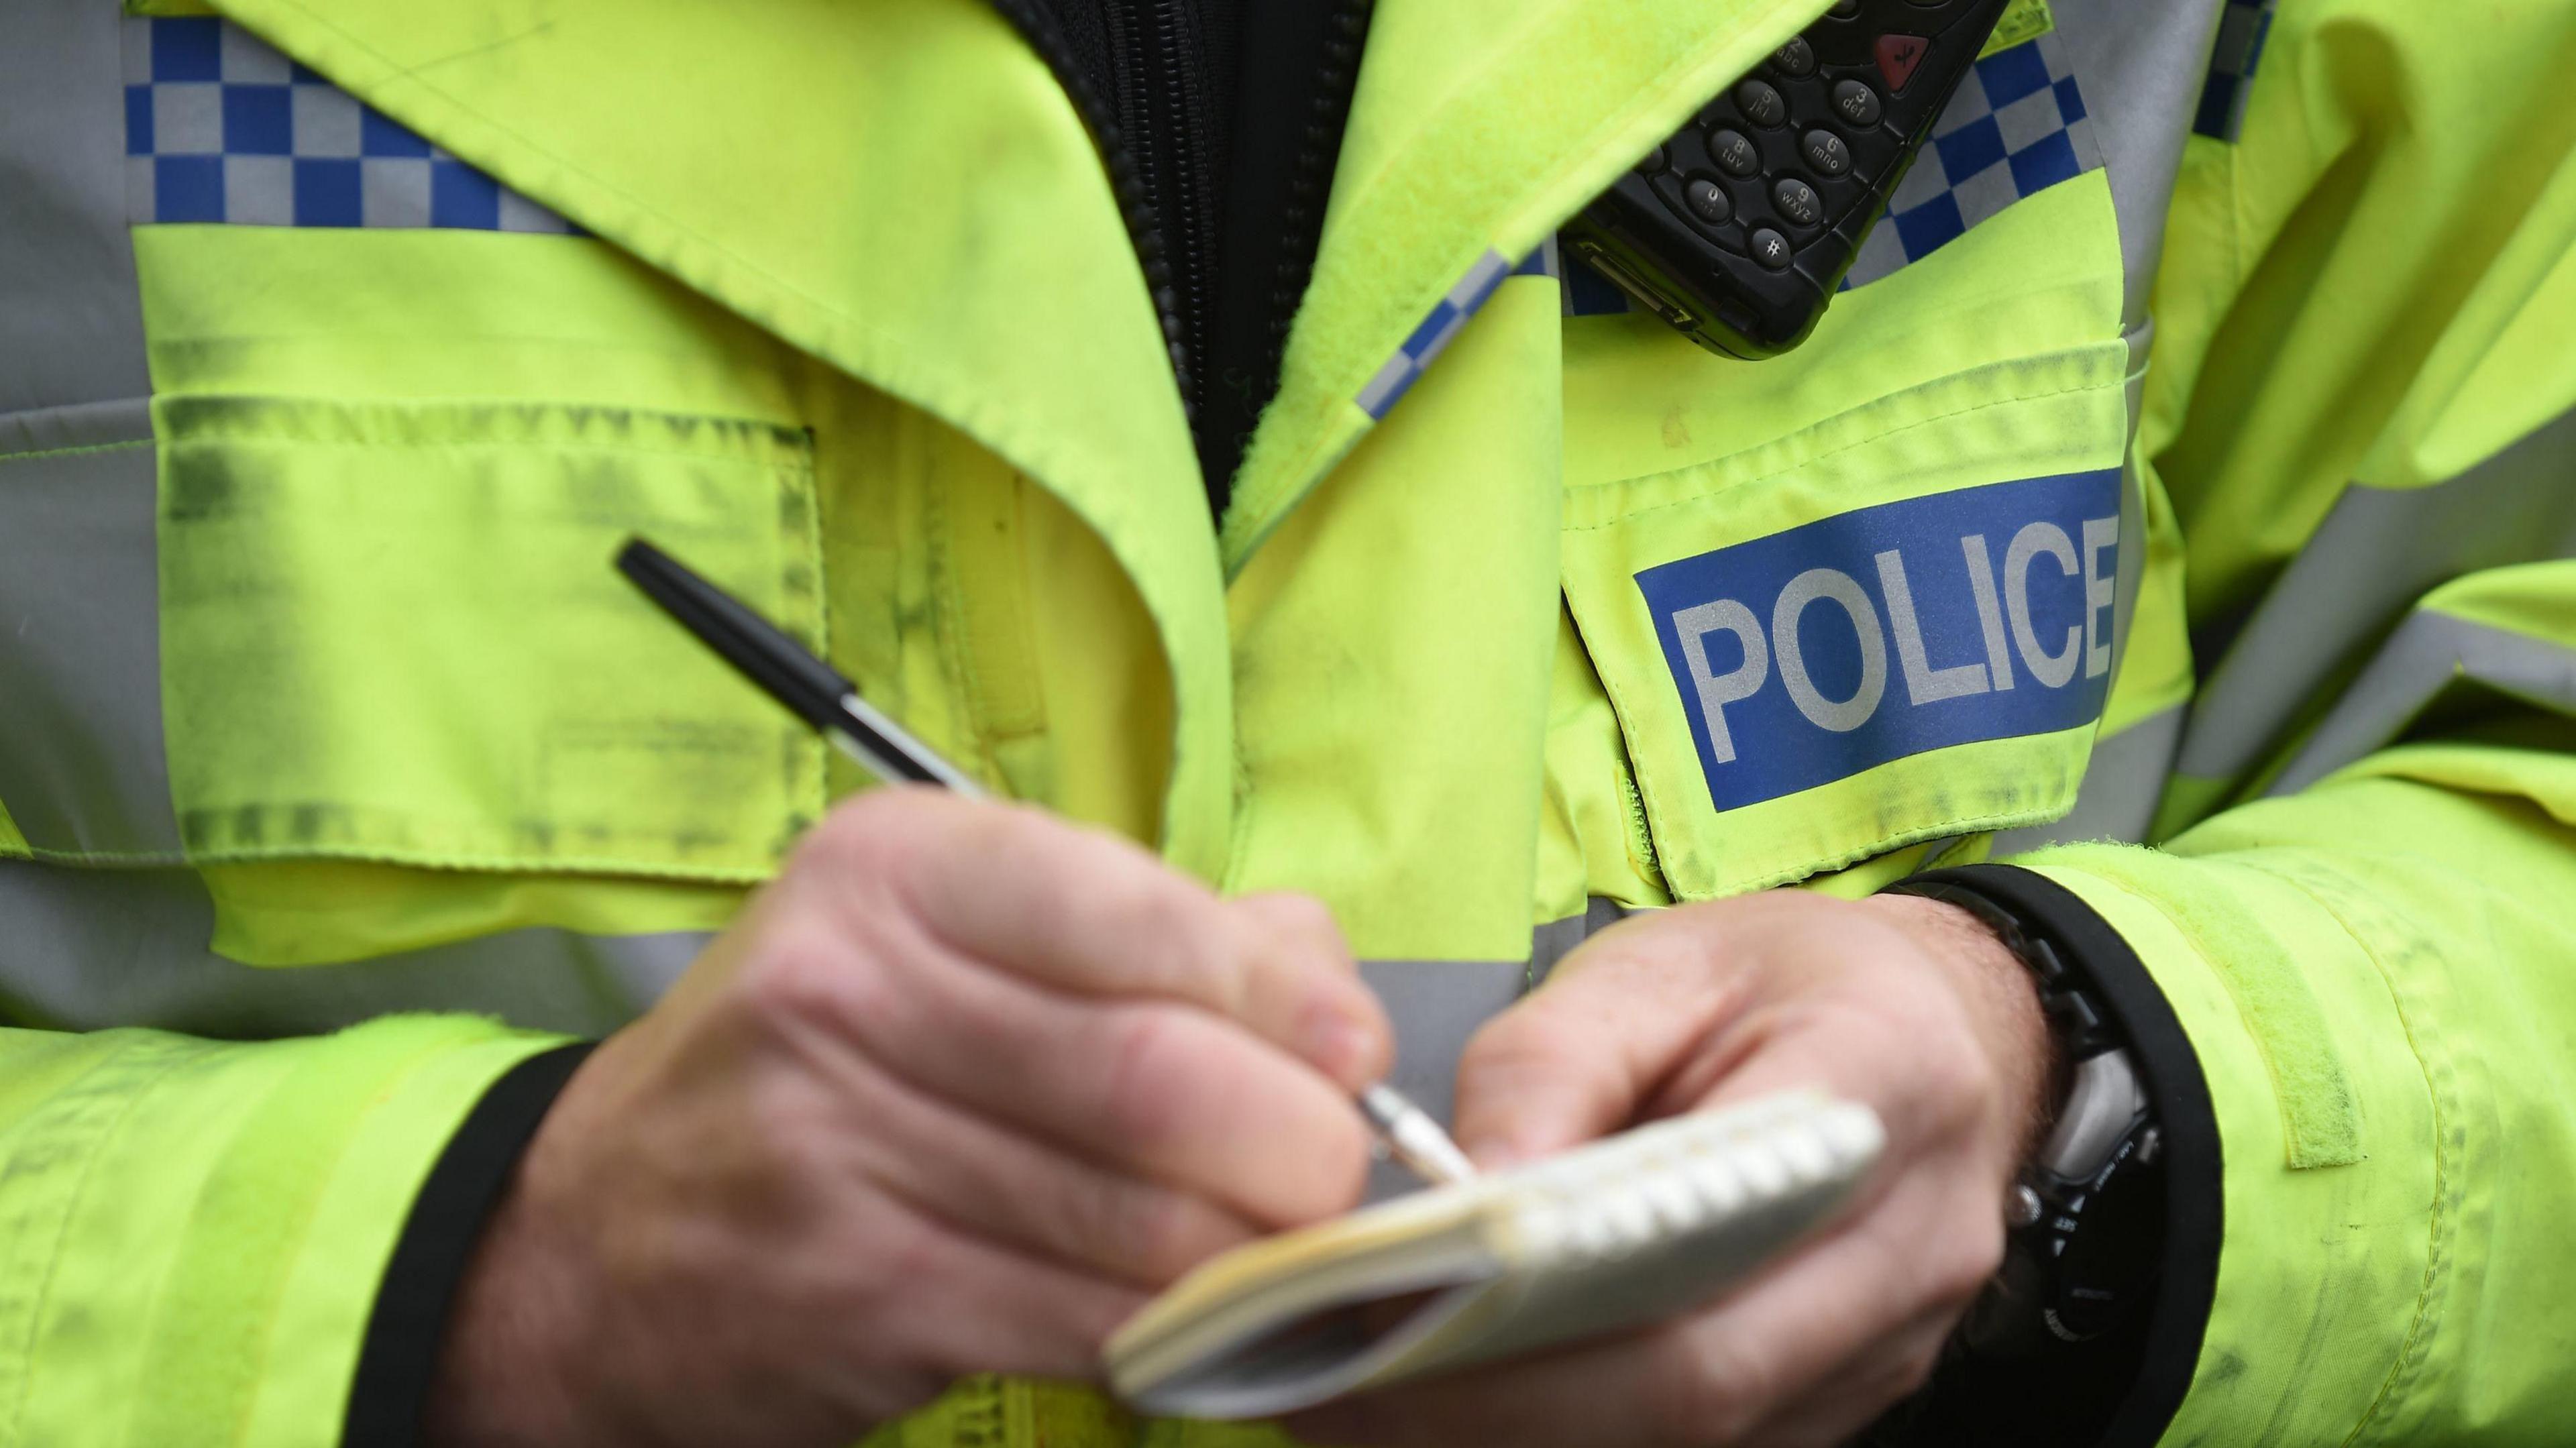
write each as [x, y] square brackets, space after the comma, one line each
[1414, 655]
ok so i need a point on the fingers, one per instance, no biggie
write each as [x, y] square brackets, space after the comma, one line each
[994, 1309]
[995, 1183]
[1831, 1320]
[1582, 1055]
[1143, 1088]
[1083, 912]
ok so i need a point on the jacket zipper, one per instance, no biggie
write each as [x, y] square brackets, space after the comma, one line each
[1157, 56]
[1167, 188]
[1310, 179]
[1126, 177]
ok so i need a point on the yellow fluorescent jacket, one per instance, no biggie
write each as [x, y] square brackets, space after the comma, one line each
[2191, 468]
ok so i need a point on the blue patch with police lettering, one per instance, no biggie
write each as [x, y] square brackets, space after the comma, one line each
[1814, 654]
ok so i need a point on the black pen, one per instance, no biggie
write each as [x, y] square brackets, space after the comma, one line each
[815, 692]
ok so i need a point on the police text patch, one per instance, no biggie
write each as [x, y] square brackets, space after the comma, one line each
[1831, 648]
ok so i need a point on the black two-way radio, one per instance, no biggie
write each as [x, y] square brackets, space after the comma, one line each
[1738, 228]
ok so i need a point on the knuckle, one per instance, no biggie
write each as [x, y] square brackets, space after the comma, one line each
[1132, 1226]
[1305, 920]
[802, 977]
[1534, 1047]
[1150, 1084]
[865, 836]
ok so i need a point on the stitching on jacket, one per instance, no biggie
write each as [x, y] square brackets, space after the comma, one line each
[1814, 458]
[125, 1064]
[71, 452]
[2440, 1225]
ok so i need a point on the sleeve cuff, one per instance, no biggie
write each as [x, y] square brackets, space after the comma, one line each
[390, 1391]
[2123, 1390]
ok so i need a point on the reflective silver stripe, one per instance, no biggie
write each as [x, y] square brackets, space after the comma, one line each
[1436, 1005]
[83, 770]
[2371, 558]
[1557, 939]
[2426, 653]
[2142, 67]
[83, 949]
[71, 326]
[2122, 783]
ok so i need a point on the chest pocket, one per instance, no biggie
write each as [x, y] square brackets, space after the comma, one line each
[1862, 595]
[390, 491]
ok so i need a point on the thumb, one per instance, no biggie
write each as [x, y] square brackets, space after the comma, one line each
[1579, 1058]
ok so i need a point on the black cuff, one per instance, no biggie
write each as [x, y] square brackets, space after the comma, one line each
[2121, 1391]
[390, 1392]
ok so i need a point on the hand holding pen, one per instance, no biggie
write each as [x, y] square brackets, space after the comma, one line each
[951, 1094]
[817, 693]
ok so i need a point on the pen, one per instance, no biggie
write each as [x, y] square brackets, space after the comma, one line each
[815, 692]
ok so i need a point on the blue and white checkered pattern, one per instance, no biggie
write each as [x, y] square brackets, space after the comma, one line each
[2242, 28]
[2017, 126]
[219, 127]
[1435, 331]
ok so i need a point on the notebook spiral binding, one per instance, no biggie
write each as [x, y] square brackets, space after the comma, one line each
[1676, 1176]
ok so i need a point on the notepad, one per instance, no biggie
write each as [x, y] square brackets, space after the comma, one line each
[1616, 1234]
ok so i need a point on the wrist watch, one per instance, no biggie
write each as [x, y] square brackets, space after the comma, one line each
[2085, 1215]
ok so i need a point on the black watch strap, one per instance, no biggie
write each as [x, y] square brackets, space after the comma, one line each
[2123, 1387]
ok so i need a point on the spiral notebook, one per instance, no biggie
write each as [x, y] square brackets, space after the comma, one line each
[1616, 1234]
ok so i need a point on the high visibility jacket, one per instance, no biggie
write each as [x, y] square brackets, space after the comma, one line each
[2192, 465]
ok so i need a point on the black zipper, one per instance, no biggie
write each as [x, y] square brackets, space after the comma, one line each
[1310, 177]
[1172, 193]
[1295, 102]
[1163, 87]
[1037, 25]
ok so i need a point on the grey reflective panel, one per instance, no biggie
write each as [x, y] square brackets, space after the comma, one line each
[2122, 783]
[71, 328]
[1435, 1006]
[2424, 656]
[2142, 66]
[1557, 939]
[2374, 555]
[84, 949]
[82, 767]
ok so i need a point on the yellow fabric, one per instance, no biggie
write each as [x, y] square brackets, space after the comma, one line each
[1392, 657]
[810, 185]
[324, 911]
[329, 689]
[194, 1229]
[1593, 839]
[2155, 672]
[2400, 1298]
[949, 407]
[1475, 128]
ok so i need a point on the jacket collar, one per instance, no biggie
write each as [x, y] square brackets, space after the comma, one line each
[805, 164]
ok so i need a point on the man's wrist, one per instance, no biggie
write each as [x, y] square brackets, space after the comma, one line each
[430, 1269]
[2003, 1004]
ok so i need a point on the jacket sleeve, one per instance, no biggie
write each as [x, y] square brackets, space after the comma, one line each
[2362, 912]
[193, 1233]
